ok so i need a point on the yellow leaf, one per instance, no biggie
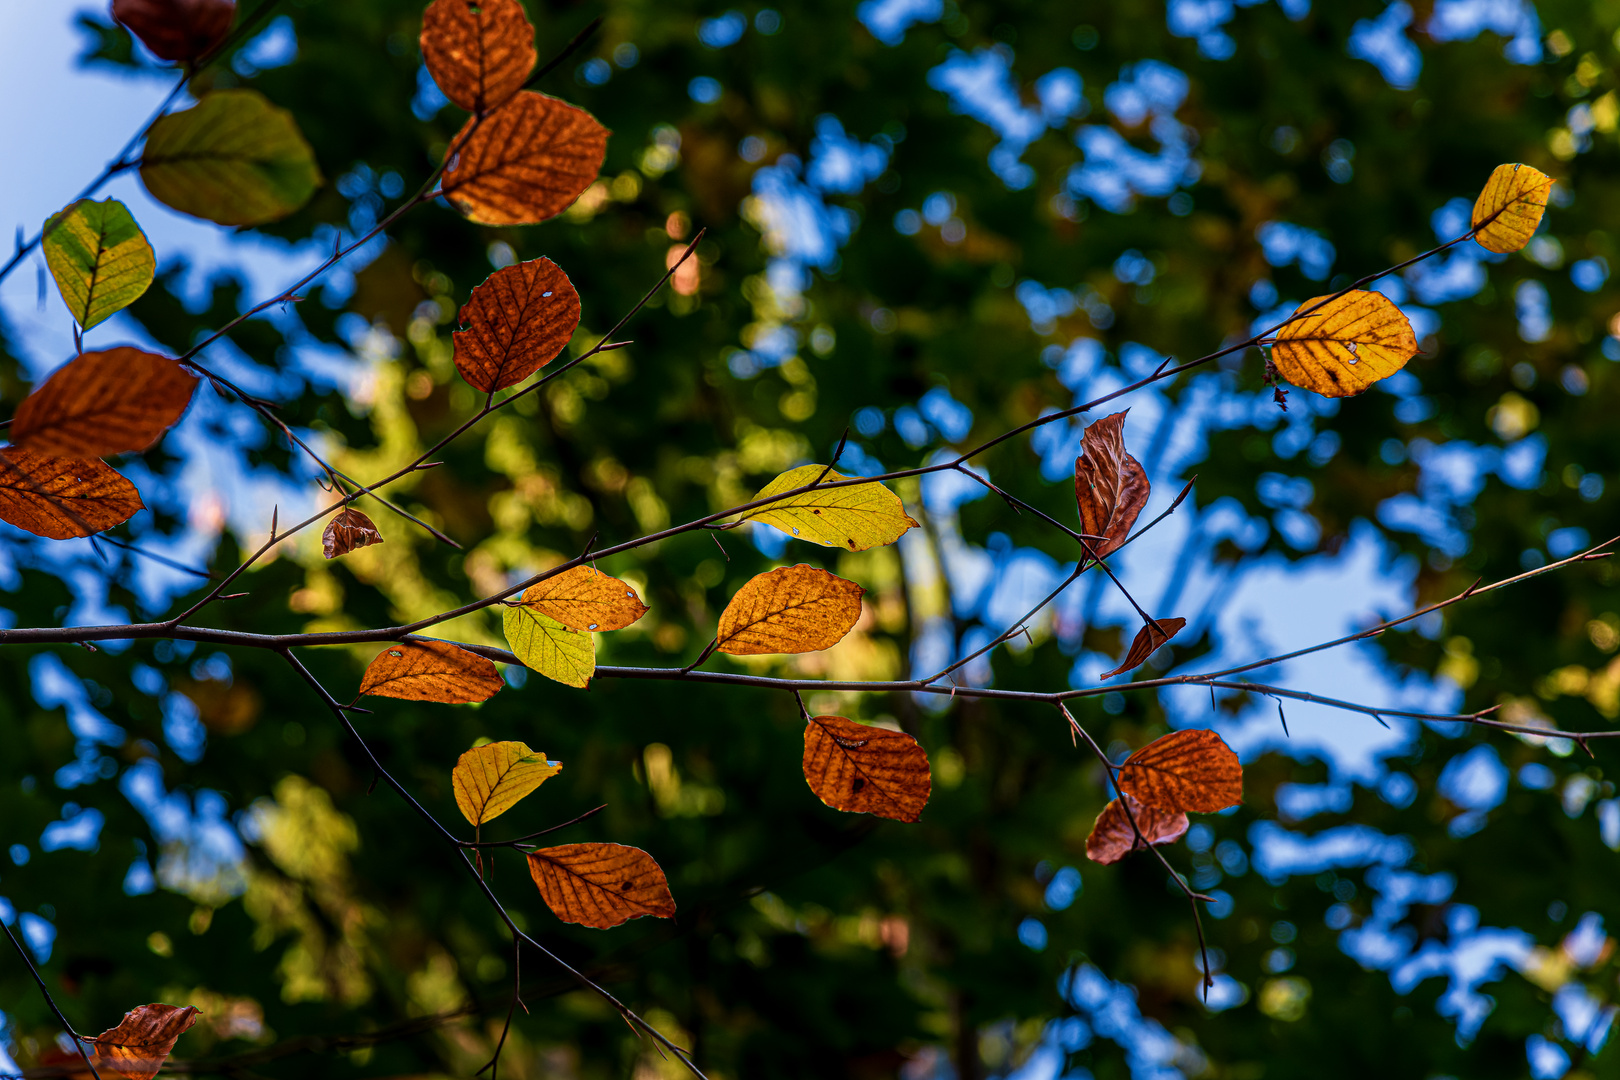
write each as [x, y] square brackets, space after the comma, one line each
[491, 779]
[855, 518]
[1509, 209]
[583, 598]
[547, 646]
[794, 609]
[1344, 346]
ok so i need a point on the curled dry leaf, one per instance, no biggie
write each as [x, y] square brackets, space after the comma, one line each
[1110, 485]
[1346, 345]
[1147, 640]
[583, 598]
[1112, 837]
[99, 257]
[793, 609]
[545, 645]
[866, 770]
[491, 779]
[528, 161]
[854, 518]
[60, 498]
[348, 529]
[143, 1040]
[102, 403]
[601, 885]
[515, 323]
[1191, 770]
[431, 671]
[480, 53]
[177, 29]
[1509, 210]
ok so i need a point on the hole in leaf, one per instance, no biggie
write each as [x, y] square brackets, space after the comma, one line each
[593, 626]
[395, 653]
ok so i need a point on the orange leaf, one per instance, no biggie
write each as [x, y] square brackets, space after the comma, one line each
[348, 529]
[103, 403]
[1147, 640]
[600, 885]
[526, 162]
[431, 671]
[60, 498]
[1112, 837]
[1184, 770]
[866, 770]
[793, 609]
[1509, 209]
[176, 29]
[515, 323]
[479, 53]
[583, 598]
[491, 779]
[139, 1045]
[1346, 345]
[1109, 485]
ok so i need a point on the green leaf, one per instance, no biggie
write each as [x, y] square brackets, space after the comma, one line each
[99, 258]
[232, 158]
[547, 646]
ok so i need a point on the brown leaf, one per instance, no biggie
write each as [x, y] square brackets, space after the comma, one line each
[103, 403]
[1147, 640]
[515, 323]
[1345, 345]
[600, 885]
[1184, 770]
[793, 609]
[177, 29]
[479, 53]
[866, 770]
[139, 1045]
[1112, 837]
[1109, 485]
[60, 498]
[527, 161]
[583, 598]
[431, 671]
[348, 529]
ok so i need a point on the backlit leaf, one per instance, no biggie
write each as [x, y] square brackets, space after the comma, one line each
[794, 609]
[545, 645]
[1110, 485]
[1147, 640]
[526, 162]
[60, 498]
[1344, 346]
[583, 598]
[479, 53]
[1508, 211]
[1185, 770]
[864, 769]
[515, 323]
[348, 529]
[99, 257]
[102, 403]
[1112, 837]
[431, 671]
[177, 29]
[491, 779]
[232, 158]
[601, 885]
[142, 1041]
[854, 518]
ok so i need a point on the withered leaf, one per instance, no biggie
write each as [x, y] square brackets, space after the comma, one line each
[583, 598]
[431, 671]
[103, 403]
[177, 29]
[854, 518]
[600, 885]
[491, 779]
[866, 770]
[545, 645]
[526, 162]
[515, 323]
[1509, 209]
[1344, 346]
[1147, 640]
[348, 529]
[1112, 837]
[793, 609]
[60, 498]
[480, 53]
[143, 1040]
[1110, 485]
[1185, 770]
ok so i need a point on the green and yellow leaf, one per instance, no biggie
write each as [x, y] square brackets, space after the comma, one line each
[854, 518]
[491, 779]
[547, 646]
[99, 257]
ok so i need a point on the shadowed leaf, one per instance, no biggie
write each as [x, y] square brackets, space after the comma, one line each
[1346, 345]
[480, 53]
[854, 518]
[864, 769]
[349, 529]
[1112, 837]
[794, 609]
[583, 598]
[143, 1040]
[431, 671]
[491, 779]
[102, 403]
[99, 257]
[1110, 485]
[545, 645]
[1147, 639]
[515, 323]
[60, 498]
[177, 29]
[600, 885]
[1510, 207]
[528, 161]
[1185, 770]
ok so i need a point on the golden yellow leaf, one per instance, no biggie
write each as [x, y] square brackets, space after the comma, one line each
[547, 646]
[600, 885]
[491, 779]
[1508, 211]
[431, 671]
[854, 518]
[583, 598]
[794, 609]
[1344, 346]
[866, 770]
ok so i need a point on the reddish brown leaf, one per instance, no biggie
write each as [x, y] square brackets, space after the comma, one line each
[866, 770]
[348, 529]
[1184, 770]
[1147, 640]
[103, 403]
[526, 162]
[515, 323]
[1112, 837]
[139, 1045]
[1109, 485]
[793, 609]
[480, 53]
[431, 671]
[600, 885]
[177, 29]
[60, 498]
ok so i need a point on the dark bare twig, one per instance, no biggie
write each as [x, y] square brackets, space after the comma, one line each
[78, 1040]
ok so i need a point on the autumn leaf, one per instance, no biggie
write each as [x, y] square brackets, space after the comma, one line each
[545, 645]
[177, 29]
[515, 323]
[431, 671]
[60, 498]
[1148, 639]
[1110, 485]
[491, 779]
[1112, 837]
[1344, 346]
[854, 518]
[480, 53]
[99, 257]
[864, 769]
[103, 403]
[600, 885]
[143, 1040]
[583, 598]
[1185, 770]
[348, 529]
[232, 158]
[526, 162]
[793, 609]
[1509, 210]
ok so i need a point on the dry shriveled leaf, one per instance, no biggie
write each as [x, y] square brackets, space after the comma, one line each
[99, 257]
[545, 645]
[102, 403]
[1147, 640]
[583, 598]
[143, 1040]
[601, 885]
[515, 323]
[60, 498]
[866, 770]
[1508, 211]
[854, 518]
[1185, 770]
[526, 162]
[1110, 485]
[1344, 346]
[479, 53]
[793, 609]
[491, 779]
[177, 29]
[1112, 837]
[348, 529]
[431, 671]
